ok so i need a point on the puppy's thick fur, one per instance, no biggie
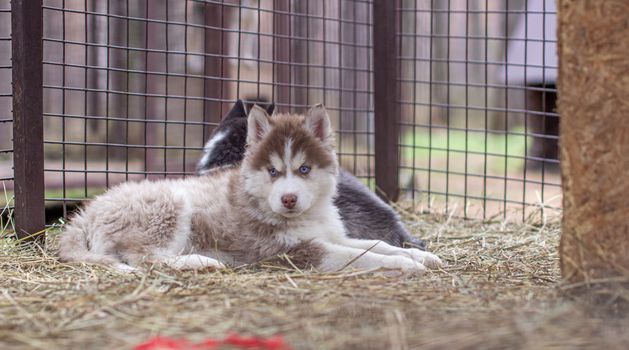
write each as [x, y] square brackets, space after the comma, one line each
[364, 215]
[278, 201]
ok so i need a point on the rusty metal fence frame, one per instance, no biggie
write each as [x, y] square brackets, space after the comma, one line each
[374, 34]
[6, 119]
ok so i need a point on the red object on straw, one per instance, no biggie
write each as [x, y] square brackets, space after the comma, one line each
[163, 343]
[233, 340]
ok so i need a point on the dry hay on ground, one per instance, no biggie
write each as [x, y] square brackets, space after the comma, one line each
[499, 290]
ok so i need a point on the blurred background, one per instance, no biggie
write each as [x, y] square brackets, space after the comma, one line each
[133, 89]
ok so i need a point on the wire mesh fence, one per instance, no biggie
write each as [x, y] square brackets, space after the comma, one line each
[479, 129]
[6, 119]
[133, 88]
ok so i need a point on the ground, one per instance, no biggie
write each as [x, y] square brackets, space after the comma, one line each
[500, 289]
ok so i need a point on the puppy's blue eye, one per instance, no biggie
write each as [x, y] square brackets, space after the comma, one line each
[273, 172]
[304, 170]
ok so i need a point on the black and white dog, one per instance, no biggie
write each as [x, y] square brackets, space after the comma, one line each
[364, 215]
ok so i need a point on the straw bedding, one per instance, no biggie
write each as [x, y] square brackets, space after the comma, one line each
[500, 289]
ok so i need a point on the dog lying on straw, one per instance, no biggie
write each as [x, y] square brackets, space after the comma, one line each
[279, 201]
[364, 215]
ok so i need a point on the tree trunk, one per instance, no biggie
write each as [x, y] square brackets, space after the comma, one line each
[593, 91]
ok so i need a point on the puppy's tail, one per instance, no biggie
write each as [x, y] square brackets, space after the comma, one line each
[74, 245]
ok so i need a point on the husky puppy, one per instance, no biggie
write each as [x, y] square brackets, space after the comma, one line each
[279, 201]
[364, 215]
[226, 145]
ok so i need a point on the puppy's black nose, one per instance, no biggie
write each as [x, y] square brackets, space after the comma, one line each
[289, 200]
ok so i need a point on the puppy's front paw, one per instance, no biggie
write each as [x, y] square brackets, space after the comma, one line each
[425, 258]
[407, 266]
[124, 268]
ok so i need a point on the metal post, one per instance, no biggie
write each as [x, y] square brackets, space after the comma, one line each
[28, 124]
[386, 97]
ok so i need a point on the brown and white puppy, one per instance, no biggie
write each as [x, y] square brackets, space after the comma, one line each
[278, 201]
[364, 215]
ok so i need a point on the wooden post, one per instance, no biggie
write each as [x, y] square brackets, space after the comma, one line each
[28, 123]
[298, 50]
[155, 62]
[386, 97]
[593, 95]
[281, 52]
[215, 50]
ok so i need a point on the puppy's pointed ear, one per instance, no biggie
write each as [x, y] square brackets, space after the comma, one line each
[258, 124]
[270, 108]
[318, 122]
[237, 111]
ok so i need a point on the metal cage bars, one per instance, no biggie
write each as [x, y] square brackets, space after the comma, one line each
[369, 61]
